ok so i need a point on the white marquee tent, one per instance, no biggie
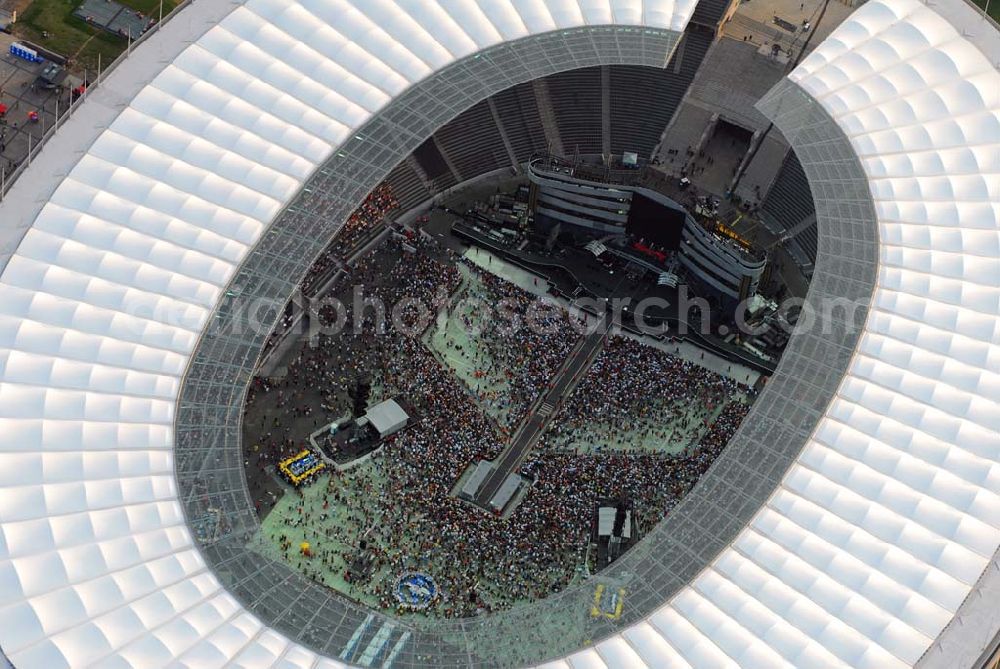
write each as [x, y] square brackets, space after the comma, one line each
[387, 417]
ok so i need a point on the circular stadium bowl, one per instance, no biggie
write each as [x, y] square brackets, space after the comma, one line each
[853, 521]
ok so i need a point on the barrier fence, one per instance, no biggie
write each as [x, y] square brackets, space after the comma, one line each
[8, 179]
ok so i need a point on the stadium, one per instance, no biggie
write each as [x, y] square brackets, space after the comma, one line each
[154, 246]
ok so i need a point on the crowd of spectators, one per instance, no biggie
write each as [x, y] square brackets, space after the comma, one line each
[370, 213]
[395, 514]
[517, 343]
[644, 395]
[315, 388]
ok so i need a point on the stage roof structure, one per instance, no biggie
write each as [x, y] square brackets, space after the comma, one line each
[387, 417]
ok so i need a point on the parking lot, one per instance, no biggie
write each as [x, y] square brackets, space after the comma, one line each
[19, 95]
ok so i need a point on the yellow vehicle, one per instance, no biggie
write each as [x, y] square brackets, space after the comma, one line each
[607, 604]
[301, 466]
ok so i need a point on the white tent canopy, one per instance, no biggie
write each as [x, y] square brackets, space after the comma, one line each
[387, 417]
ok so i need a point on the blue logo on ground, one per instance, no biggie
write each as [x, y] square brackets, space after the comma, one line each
[416, 590]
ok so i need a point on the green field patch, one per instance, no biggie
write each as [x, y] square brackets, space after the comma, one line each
[73, 37]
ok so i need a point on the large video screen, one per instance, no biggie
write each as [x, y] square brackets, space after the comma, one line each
[654, 222]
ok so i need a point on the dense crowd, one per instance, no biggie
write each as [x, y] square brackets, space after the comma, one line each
[396, 510]
[569, 485]
[378, 203]
[518, 348]
[645, 393]
[370, 213]
[315, 387]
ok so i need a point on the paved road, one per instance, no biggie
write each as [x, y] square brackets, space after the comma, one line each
[577, 363]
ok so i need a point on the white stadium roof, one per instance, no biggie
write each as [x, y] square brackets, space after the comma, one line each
[117, 244]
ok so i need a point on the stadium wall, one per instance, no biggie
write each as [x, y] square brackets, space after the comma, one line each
[860, 558]
[641, 99]
[209, 452]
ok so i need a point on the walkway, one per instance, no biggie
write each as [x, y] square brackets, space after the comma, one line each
[577, 363]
